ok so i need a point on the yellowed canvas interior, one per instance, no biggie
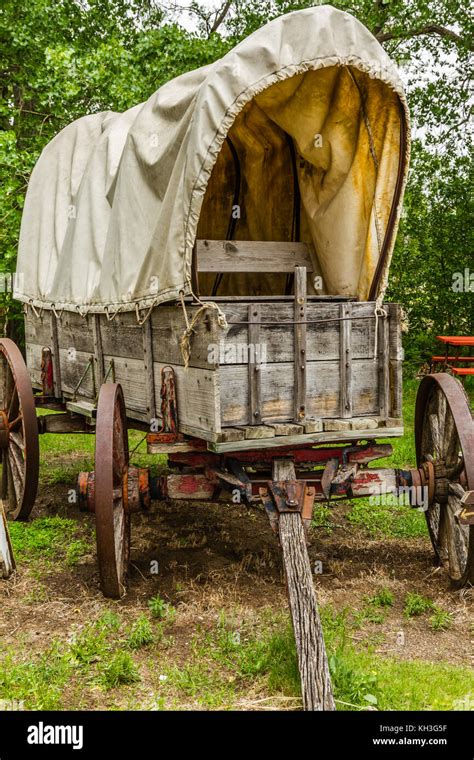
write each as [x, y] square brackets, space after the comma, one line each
[339, 130]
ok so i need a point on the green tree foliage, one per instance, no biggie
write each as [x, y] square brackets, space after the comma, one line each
[61, 59]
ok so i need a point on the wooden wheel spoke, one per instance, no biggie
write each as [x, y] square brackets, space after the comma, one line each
[444, 432]
[434, 429]
[442, 536]
[16, 421]
[14, 403]
[17, 440]
[21, 441]
[450, 447]
[457, 540]
[4, 484]
[17, 474]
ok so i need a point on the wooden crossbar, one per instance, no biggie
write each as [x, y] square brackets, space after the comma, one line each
[251, 256]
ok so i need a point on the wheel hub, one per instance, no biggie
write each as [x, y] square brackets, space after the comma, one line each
[434, 477]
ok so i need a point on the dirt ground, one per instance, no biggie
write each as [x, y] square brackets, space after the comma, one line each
[210, 555]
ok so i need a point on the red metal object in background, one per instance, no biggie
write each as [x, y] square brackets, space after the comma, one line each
[301, 456]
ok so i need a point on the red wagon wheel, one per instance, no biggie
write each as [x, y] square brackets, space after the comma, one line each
[19, 440]
[444, 435]
[111, 467]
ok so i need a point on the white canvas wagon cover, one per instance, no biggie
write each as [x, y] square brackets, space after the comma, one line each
[116, 201]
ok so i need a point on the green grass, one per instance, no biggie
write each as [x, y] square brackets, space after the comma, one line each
[95, 656]
[383, 598]
[141, 633]
[397, 520]
[161, 609]
[224, 666]
[63, 456]
[441, 620]
[37, 682]
[48, 538]
[416, 605]
[120, 670]
[267, 657]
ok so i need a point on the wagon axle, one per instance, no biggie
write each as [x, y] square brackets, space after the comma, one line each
[422, 486]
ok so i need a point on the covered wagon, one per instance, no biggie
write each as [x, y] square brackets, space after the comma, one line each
[210, 267]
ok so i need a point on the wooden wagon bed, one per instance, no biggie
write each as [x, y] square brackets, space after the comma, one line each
[287, 369]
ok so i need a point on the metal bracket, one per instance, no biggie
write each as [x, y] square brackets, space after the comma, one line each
[89, 366]
[288, 496]
[110, 370]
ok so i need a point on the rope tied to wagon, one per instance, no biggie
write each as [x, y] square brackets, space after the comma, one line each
[185, 340]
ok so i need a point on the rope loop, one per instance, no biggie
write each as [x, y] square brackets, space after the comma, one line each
[185, 340]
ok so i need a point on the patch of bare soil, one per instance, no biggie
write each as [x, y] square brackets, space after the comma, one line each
[212, 556]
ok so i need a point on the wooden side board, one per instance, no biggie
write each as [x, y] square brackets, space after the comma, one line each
[211, 346]
[214, 391]
[323, 389]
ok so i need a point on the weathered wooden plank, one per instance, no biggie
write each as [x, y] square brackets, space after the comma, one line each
[346, 359]
[75, 332]
[364, 423]
[168, 326]
[251, 256]
[322, 394]
[198, 398]
[73, 366]
[33, 362]
[255, 396]
[98, 351]
[300, 440]
[122, 336]
[263, 299]
[130, 373]
[336, 425]
[383, 362]
[258, 431]
[313, 665]
[82, 407]
[149, 371]
[285, 428]
[395, 358]
[37, 329]
[313, 425]
[300, 345]
[211, 346]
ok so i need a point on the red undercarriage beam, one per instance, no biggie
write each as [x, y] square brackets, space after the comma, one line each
[200, 486]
